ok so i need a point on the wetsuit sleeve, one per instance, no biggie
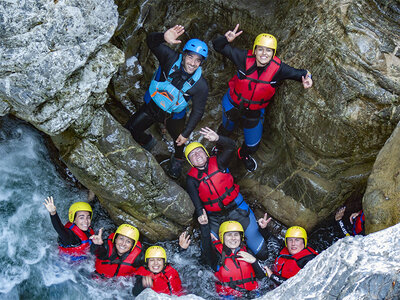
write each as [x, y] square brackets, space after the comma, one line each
[192, 188]
[236, 55]
[288, 72]
[258, 270]
[165, 55]
[265, 233]
[199, 93]
[100, 251]
[66, 236]
[138, 287]
[277, 279]
[208, 251]
[139, 261]
[343, 228]
[229, 147]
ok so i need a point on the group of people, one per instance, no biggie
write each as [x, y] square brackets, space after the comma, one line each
[232, 239]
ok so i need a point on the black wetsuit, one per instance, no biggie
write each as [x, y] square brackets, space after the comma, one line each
[150, 113]
[65, 236]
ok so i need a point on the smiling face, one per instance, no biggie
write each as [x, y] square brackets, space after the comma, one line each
[294, 245]
[155, 264]
[82, 220]
[198, 157]
[191, 62]
[263, 55]
[232, 239]
[123, 244]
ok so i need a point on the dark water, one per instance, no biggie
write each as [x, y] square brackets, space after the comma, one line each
[30, 267]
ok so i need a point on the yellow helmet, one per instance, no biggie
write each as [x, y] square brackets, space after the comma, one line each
[155, 252]
[229, 226]
[296, 232]
[128, 231]
[78, 206]
[266, 40]
[189, 148]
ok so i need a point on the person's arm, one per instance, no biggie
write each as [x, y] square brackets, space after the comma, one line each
[339, 219]
[165, 55]
[288, 72]
[207, 249]
[258, 270]
[199, 93]
[192, 188]
[139, 261]
[138, 287]
[228, 149]
[277, 279]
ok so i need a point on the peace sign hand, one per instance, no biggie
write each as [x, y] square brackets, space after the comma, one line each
[231, 35]
[263, 222]
[96, 238]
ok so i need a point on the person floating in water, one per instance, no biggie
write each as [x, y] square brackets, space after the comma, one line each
[236, 269]
[73, 237]
[260, 72]
[178, 80]
[357, 220]
[211, 187]
[121, 255]
[157, 274]
[293, 257]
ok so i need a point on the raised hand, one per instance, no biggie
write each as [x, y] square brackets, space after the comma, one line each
[203, 219]
[246, 256]
[49, 204]
[307, 81]
[147, 281]
[209, 134]
[231, 35]
[96, 238]
[172, 34]
[184, 240]
[340, 213]
[263, 222]
[181, 140]
[353, 216]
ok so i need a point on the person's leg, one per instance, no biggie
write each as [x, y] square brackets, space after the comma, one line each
[230, 116]
[245, 216]
[137, 125]
[175, 128]
[253, 129]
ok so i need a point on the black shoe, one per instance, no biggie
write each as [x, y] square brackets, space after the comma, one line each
[175, 167]
[150, 145]
[249, 162]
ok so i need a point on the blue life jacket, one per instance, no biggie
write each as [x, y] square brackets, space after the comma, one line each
[169, 98]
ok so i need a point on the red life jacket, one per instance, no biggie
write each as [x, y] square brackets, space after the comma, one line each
[216, 189]
[254, 92]
[358, 224]
[83, 248]
[287, 265]
[166, 282]
[234, 275]
[117, 267]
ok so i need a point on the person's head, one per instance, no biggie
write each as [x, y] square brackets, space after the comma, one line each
[156, 258]
[264, 48]
[231, 234]
[80, 213]
[196, 155]
[295, 239]
[125, 238]
[195, 52]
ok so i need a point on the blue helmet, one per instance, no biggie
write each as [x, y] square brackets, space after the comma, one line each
[196, 46]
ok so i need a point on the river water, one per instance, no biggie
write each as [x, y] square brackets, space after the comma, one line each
[30, 267]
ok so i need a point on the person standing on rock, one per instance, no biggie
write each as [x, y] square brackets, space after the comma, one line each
[252, 88]
[73, 237]
[211, 187]
[178, 80]
[293, 257]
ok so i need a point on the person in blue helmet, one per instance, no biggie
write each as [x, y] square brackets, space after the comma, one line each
[260, 72]
[178, 79]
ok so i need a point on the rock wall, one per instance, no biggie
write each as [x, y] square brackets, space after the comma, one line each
[319, 145]
[381, 202]
[55, 65]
